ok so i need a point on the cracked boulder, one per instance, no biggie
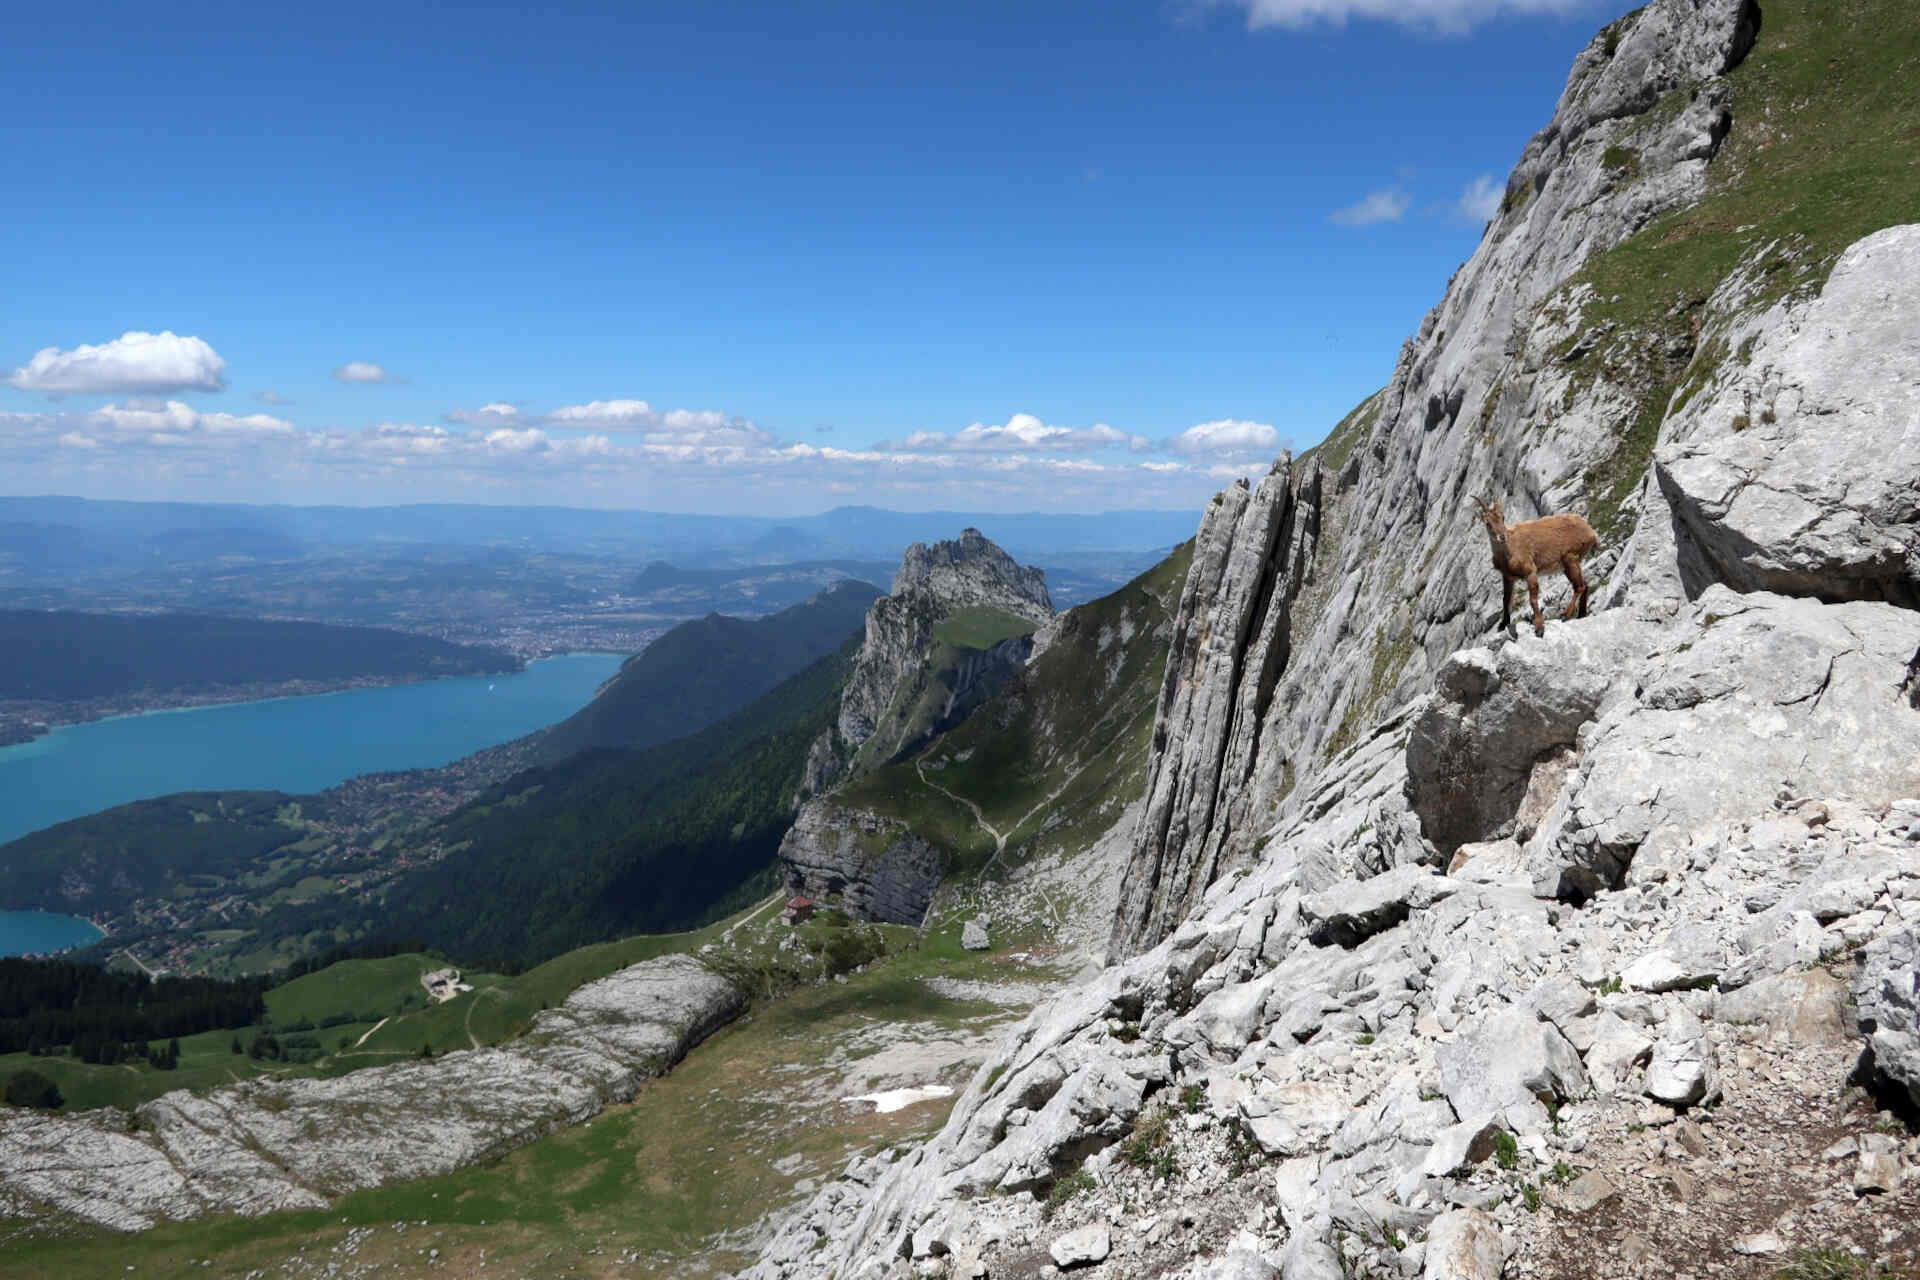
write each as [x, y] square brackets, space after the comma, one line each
[1744, 696]
[1510, 1066]
[1802, 474]
[1887, 995]
[1348, 913]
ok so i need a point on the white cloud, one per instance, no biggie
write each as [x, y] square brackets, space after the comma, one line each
[271, 397]
[76, 440]
[134, 362]
[1227, 437]
[689, 428]
[1444, 17]
[497, 414]
[177, 421]
[1481, 200]
[1389, 204]
[362, 371]
[1021, 432]
[510, 440]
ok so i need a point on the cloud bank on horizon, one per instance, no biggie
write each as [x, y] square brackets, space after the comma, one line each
[615, 451]
[1441, 17]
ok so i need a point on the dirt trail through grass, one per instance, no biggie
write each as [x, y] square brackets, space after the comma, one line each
[999, 841]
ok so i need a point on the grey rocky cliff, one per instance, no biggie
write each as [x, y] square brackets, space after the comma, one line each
[873, 867]
[268, 1145]
[897, 699]
[932, 584]
[1398, 879]
[1364, 577]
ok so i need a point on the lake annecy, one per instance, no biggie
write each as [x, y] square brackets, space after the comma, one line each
[284, 744]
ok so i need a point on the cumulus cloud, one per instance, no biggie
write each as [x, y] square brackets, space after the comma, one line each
[362, 371]
[133, 362]
[271, 397]
[1227, 437]
[176, 420]
[1389, 204]
[1481, 200]
[686, 428]
[1442, 17]
[497, 414]
[78, 440]
[1021, 433]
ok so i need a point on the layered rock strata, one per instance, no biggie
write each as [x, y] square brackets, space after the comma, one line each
[905, 690]
[1510, 891]
[268, 1145]
[875, 868]
[1382, 575]
[933, 583]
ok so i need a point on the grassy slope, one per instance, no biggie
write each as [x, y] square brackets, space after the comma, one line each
[1061, 749]
[708, 668]
[605, 843]
[348, 1001]
[656, 1180]
[1824, 149]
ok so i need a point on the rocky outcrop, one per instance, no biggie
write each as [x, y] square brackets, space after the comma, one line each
[933, 583]
[1402, 899]
[906, 688]
[1231, 641]
[1798, 471]
[1380, 576]
[970, 572]
[875, 868]
[1365, 1028]
[1887, 994]
[296, 1144]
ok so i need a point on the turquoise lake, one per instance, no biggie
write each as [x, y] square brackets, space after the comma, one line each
[282, 744]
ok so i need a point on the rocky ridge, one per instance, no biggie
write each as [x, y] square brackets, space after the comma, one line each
[933, 583]
[898, 698]
[1423, 931]
[268, 1145]
[1339, 586]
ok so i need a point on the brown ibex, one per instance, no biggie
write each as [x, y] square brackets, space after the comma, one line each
[1534, 547]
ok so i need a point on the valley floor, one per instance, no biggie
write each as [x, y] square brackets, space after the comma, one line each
[689, 1178]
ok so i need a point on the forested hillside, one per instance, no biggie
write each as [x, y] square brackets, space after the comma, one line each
[707, 668]
[603, 844]
[64, 656]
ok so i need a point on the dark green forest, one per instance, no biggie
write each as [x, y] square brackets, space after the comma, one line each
[48, 1005]
[708, 668]
[62, 656]
[106, 860]
[606, 843]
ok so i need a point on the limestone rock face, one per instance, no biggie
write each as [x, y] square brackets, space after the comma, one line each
[1801, 472]
[971, 572]
[876, 868]
[933, 583]
[1887, 994]
[1323, 601]
[1231, 641]
[268, 1145]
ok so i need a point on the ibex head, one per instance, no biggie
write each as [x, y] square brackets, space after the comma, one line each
[1491, 514]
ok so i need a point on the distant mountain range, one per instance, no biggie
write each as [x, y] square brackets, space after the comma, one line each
[43, 535]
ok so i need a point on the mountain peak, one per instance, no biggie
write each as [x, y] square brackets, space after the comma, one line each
[973, 571]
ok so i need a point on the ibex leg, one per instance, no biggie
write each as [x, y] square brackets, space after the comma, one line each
[1533, 598]
[1576, 607]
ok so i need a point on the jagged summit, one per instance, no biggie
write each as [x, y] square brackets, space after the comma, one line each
[972, 572]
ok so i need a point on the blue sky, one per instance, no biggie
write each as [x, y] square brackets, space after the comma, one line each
[734, 257]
